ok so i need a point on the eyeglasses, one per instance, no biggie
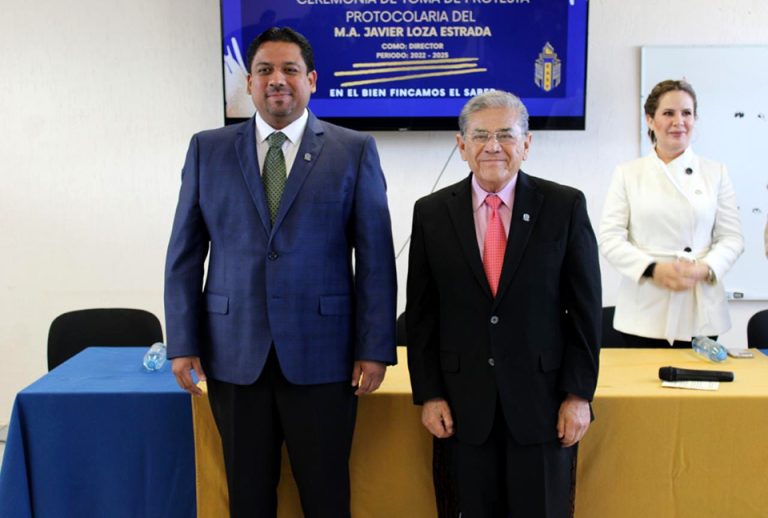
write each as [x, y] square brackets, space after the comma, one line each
[481, 138]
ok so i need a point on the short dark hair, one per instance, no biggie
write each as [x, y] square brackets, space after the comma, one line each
[287, 35]
[669, 85]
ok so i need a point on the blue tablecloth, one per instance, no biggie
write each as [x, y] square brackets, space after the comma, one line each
[100, 437]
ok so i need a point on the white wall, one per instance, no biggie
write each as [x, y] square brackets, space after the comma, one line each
[97, 104]
[98, 101]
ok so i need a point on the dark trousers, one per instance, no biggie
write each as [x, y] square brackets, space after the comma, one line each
[641, 342]
[315, 422]
[501, 478]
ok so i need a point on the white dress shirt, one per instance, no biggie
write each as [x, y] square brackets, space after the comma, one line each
[293, 131]
[656, 212]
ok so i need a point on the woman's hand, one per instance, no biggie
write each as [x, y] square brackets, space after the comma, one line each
[679, 275]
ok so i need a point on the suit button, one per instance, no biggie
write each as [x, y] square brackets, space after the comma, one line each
[491, 362]
[687, 249]
[494, 320]
[272, 256]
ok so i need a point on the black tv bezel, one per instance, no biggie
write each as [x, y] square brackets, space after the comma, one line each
[426, 123]
[435, 123]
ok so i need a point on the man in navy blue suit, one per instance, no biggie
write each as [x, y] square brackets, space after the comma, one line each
[284, 328]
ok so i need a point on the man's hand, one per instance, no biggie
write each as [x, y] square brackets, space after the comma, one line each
[182, 368]
[572, 420]
[436, 417]
[372, 373]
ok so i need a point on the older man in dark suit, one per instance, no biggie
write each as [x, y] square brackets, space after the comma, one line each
[286, 329]
[503, 318]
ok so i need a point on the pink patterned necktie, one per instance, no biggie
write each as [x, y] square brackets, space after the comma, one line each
[494, 245]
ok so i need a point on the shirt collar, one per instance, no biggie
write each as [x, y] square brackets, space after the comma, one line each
[293, 131]
[507, 194]
[681, 162]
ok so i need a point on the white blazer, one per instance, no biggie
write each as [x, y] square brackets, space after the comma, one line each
[655, 212]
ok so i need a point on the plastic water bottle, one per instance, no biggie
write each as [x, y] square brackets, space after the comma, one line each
[709, 349]
[155, 357]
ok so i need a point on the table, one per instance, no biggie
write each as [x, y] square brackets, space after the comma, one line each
[652, 452]
[98, 436]
[665, 452]
[390, 464]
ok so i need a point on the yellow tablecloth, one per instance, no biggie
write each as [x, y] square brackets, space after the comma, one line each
[662, 452]
[653, 452]
[390, 465]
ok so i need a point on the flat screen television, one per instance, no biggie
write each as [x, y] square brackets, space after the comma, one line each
[412, 64]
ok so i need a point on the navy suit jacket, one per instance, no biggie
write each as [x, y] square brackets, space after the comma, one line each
[529, 346]
[293, 284]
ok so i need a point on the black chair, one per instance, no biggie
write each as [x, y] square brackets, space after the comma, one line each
[611, 338]
[400, 337]
[74, 331]
[757, 330]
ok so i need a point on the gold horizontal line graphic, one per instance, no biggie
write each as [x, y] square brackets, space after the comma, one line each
[412, 76]
[413, 62]
[369, 71]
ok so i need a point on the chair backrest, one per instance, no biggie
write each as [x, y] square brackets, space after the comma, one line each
[611, 338]
[400, 331]
[74, 331]
[757, 330]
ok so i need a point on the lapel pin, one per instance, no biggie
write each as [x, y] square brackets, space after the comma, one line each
[307, 157]
[526, 217]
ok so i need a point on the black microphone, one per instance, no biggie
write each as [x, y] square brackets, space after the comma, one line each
[677, 374]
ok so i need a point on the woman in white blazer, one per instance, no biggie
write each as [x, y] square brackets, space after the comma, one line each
[671, 227]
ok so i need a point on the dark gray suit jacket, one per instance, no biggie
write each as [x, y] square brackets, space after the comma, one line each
[536, 341]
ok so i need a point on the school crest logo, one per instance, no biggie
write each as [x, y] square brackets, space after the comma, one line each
[548, 69]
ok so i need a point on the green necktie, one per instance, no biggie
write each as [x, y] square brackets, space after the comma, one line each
[274, 172]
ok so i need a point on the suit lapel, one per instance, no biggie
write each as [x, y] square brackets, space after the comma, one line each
[461, 213]
[245, 146]
[525, 213]
[306, 158]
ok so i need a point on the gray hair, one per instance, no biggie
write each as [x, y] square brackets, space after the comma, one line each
[495, 99]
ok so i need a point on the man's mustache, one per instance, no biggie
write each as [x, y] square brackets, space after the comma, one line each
[278, 90]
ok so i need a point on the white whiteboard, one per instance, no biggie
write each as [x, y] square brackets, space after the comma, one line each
[731, 86]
